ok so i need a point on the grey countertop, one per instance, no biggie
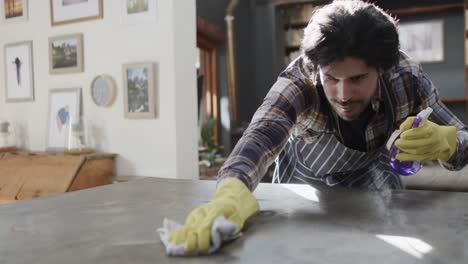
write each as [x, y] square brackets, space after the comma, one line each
[297, 224]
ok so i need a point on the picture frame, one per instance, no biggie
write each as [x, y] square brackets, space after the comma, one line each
[66, 54]
[14, 10]
[19, 73]
[139, 90]
[423, 41]
[72, 11]
[64, 105]
[138, 11]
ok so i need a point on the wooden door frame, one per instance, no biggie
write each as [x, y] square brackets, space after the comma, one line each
[208, 38]
[208, 70]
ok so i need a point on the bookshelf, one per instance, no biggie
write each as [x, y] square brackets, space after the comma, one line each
[294, 18]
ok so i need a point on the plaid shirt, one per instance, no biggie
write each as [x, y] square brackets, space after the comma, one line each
[297, 107]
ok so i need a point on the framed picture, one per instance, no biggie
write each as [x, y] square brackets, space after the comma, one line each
[138, 11]
[19, 75]
[64, 105]
[66, 54]
[139, 90]
[423, 41]
[72, 11]
[14, 10]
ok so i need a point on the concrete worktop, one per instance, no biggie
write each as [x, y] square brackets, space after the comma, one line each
[297, 224]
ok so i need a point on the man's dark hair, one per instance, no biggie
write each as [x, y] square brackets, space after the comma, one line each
[351, 28]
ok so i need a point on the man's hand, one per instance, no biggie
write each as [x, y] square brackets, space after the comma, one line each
[232, 199]
[427, 142]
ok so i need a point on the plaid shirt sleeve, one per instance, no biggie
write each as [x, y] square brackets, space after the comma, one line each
[269, 129]
[441, 115]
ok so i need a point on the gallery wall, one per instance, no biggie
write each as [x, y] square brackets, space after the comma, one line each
[164, 146]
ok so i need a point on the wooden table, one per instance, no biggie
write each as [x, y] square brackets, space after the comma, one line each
[117, 224]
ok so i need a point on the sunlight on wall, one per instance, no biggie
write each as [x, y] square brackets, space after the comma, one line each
[413, 246]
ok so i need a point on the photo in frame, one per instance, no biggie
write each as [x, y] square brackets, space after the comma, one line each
[64, 105]
[138, 11]
[73, 11]
[14, 10]
[423, 41]
[66, 54]
[139, 90]
[19, 74]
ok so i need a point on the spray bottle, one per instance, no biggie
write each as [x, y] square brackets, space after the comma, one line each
[406, 168]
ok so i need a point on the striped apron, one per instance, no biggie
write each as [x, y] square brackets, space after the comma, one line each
[326, 162]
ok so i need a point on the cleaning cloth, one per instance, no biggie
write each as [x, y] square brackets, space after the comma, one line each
[222, 231]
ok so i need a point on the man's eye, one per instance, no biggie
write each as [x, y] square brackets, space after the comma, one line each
[357, 78]
[329, 78]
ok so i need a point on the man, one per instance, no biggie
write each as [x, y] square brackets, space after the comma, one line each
[328, 116]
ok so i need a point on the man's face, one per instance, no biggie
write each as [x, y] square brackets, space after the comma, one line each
[349, 86]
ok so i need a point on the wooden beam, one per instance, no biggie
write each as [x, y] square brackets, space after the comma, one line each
[210, 31]
[426, 9]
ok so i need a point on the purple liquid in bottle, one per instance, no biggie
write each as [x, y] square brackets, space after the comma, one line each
[408, 168]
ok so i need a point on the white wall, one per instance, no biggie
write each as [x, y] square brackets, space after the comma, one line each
[161, 147]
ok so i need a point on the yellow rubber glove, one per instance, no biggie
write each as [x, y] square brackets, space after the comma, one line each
[429, 141]
[232, 199]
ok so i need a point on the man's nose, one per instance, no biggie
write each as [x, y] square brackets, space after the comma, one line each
[344, 92]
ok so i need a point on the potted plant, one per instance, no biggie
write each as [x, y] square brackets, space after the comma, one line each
[208, 149]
